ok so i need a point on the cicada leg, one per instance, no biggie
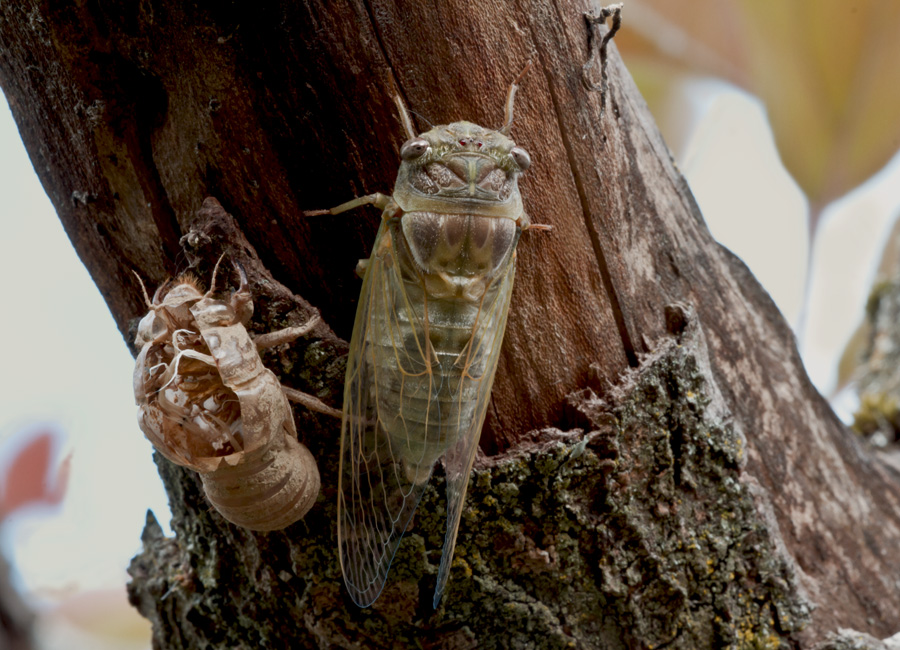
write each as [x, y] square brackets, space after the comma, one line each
[524, 223]
[242, 299]
[286, 335]
[310, 402]
[378, 199]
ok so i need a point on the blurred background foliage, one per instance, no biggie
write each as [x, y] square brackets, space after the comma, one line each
[827, 71]
[828, 75]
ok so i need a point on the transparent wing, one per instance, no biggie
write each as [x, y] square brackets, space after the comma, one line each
[376, 499]
[409, 399]
[487, 337]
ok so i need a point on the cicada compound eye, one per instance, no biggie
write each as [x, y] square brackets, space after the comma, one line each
[523, 160]
[414, 148]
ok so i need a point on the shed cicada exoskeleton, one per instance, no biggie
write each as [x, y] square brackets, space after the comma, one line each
[206, 402]
[426, 340]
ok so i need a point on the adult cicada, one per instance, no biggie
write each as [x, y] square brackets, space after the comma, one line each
[427, 337]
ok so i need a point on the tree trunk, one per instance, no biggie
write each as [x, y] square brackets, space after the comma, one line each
[657, 469]
[876, 369]
[15, 618]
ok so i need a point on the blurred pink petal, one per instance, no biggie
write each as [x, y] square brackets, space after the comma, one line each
[31, 478]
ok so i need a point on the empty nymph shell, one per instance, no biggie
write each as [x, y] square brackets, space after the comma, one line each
[206, 401]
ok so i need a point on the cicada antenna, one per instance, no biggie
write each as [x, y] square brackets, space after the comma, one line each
[242, 274]
[212, 281]
[143, 290]
[510, 100]
[153, 304]
[404, 117]
[421, 117]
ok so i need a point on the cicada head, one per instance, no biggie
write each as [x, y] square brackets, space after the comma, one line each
[170, 310]
[461, 167]
[211, 312]
[464, 165]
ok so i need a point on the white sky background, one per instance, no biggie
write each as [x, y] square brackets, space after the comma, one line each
[64, 364]
[64, 361]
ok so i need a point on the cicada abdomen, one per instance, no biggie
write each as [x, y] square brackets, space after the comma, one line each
[206, 401]
[427, 338]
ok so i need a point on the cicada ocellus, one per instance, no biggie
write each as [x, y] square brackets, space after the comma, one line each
[427, 337]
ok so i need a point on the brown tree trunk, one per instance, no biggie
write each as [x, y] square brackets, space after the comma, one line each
[657, 468]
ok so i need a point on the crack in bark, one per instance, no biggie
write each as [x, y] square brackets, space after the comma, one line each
[600, 256]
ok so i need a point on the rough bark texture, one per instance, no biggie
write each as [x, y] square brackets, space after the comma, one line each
[657, 468]
[876, 369]
[853, 640]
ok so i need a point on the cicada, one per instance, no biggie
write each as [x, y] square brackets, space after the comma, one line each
[426, 340]
[206, 402]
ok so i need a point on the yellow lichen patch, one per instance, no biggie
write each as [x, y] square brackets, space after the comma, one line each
[461, 564]
[877, 412]
[757, 635]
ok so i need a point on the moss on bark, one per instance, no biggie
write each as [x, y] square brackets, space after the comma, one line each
[637, 530]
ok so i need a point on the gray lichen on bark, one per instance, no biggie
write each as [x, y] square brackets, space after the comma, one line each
[853, 640]
[636, 530]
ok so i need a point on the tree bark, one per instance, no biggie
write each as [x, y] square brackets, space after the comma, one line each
[875, 371]
[16, 620]
[657, 469]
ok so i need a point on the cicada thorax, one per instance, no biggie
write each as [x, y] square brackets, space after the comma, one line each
[451, 265]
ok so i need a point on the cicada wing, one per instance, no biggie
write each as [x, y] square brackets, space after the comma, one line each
[483, 354]
[376, 494]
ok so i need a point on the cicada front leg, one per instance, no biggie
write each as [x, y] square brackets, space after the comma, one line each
[242, 305]
[286, 335]
[379, 200]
